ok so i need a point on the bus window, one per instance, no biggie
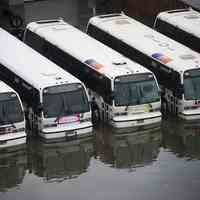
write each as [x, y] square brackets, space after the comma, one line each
[70, 99]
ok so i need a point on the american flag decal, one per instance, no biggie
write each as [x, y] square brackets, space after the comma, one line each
[162, 58]
[94, 64]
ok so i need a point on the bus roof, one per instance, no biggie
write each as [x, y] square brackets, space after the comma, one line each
[34, 68]
[4, 88]
[85, 48]
[185, 19]
[148, 41]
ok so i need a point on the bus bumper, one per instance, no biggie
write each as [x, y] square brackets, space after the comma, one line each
[76, 131]
[190, 114]
[134, 122]
[12, 139]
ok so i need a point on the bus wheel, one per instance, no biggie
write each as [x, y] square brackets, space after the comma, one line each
[96, 116]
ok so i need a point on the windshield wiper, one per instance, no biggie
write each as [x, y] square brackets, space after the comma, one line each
[67, 110]
[63, 110]
[60, 111]
[129, 100]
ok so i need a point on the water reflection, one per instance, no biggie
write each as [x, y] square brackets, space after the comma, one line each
[13, 165]
[56, 162]
[181, 138]
[131, 150]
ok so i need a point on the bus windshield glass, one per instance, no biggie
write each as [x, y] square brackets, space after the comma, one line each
[192, 84]
[10, 109]
[136, 89]
[63, 100]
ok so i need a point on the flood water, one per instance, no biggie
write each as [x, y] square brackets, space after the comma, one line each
[146, 164]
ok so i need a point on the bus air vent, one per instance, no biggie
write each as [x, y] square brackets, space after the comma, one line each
[60, 27]
[179, 10]
[119, 63]
[48, 74]
[48, 21]
[122, 22]
[108, 16]
[187, 57]
[192, 16]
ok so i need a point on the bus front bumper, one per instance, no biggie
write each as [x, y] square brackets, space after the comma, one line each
[192, 115]
[136, 121]
[62, 133]
[12, 139]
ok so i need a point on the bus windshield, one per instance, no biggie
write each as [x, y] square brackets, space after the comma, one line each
[192, 85]
[136, 89]
[10, 109]
[64, 100]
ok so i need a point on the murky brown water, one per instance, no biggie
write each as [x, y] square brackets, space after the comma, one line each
[152, 164]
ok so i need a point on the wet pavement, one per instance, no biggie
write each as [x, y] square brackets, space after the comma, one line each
[147, 164]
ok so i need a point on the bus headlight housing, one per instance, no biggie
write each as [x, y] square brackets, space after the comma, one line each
[49, 125]
[85, 120]
[190, 107]
[155, 109]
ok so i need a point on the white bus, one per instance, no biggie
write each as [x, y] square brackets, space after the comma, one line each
[176, 67]
[55, 102]
[181, 25]
[124, 93]
[12, 121]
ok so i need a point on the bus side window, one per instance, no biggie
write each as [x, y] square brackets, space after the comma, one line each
[34, 41]
[91, 30]
[159, 25]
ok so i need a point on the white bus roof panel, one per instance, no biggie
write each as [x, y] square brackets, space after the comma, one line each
[5, 88]
[87, 49]
[187, 20]
[150, 42]
[30, 65]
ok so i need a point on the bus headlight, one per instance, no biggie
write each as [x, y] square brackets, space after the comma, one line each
[155, 109]
[20, 129]
[85, 120]
[190, 107]
[49, 125]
